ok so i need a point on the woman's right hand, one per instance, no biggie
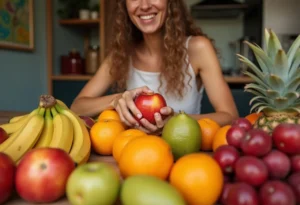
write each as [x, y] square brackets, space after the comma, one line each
[125, 106]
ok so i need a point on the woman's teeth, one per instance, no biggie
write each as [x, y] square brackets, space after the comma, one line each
[147, 17]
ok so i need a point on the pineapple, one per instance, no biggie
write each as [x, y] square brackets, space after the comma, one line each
[276, 83]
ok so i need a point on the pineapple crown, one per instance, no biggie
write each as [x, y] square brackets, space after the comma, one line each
[276, 83]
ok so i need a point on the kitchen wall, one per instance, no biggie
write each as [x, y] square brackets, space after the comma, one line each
[223, 31]
[23, 74]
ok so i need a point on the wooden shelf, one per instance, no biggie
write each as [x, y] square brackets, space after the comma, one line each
[79, 22]
[71, 77]
[238, 79]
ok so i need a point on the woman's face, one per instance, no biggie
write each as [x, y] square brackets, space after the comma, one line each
[147, 15]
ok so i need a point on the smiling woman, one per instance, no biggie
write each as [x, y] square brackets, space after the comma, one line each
[156, 48]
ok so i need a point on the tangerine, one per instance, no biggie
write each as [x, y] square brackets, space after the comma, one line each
[220, 137]
[208, 130]
[103, 134]
[109, 115]
[122, 139]
[253, 117]
[148, 155]
[198, 177]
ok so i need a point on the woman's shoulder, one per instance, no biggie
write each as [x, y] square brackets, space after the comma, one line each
[199, 43]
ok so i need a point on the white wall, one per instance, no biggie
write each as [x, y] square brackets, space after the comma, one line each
[283, 16]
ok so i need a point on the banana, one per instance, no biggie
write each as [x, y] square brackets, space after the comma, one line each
[27, 137]
[14, 126]
[61, 103]
[13, 136]
[81, 144]
[63, 131]
[17, 118]
[46, 135]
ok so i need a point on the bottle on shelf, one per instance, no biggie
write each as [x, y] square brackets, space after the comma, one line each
[92, 60]
[72, 64]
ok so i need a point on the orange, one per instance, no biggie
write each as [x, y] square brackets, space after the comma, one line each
[122, 139]
[220, 137]
[109, 115]
[253, 117]
[103, 134]
[198, 177]
[148, 155]
[208, 130]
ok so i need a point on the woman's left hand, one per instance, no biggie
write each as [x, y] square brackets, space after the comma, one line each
[156, 129]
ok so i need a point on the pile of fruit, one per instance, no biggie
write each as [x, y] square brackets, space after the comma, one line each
[51, 124]
[260, 168]
[255, 160]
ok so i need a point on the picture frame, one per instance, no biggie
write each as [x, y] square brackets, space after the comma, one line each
[17, 24]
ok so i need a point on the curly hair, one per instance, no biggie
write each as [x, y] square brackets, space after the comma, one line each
[178, 25]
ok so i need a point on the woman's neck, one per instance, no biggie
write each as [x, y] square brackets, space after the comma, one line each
[153, 44]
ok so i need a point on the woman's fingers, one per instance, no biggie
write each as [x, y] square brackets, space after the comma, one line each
[128, 118]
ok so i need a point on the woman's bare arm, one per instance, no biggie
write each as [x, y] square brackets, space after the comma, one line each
[204, 59]
[90, 101]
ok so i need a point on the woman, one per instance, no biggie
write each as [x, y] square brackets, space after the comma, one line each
[157, 48]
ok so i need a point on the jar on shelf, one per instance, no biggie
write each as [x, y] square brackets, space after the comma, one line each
[92, 60]
[73, 63]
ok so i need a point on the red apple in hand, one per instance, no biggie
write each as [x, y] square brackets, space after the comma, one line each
[148, 104]
[7, 175]
[3, 135]
[42, 174]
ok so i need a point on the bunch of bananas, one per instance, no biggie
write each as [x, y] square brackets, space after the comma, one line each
[51, 124]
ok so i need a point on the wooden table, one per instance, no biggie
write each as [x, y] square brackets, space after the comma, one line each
[4, 117]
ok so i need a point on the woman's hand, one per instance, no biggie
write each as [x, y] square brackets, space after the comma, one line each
[160, 123]
[126, 108]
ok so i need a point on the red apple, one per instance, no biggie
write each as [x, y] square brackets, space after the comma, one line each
[7, 175]
[149, 104]
[3, 135]
[42, 174]
[88, 121]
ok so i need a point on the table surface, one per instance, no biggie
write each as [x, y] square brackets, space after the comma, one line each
[4, 117]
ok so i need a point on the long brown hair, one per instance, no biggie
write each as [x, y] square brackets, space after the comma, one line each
[178, 25]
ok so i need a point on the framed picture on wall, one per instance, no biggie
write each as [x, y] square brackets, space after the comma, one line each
[16, 25]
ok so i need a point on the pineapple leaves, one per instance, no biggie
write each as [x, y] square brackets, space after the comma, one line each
[262, 108]
[294, 84]
[273, 45]
[281, 102]
[256, 98]
[296, 64]
[259, 105]
[267, 93]
[276, 83]
[262, 58]
[281, 65]
[267, 36]
[253, 67]
[255, 78]
[255, 92]
[292, 97]
[292, 51]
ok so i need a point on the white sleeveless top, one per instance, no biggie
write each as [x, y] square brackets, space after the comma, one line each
[191, 101]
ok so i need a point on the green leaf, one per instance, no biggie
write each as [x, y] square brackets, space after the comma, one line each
[292, 97]
[256, 79]
[273, 45]
[293, 49]
[281, 102]
[296, 109]
[272, 93]
[253, 67]
[258, 98]
[281, 65]
[258, 105]
[267, 37]
[263, 107]
[276, 83]
[295, 64]
[294, 84]
[262, 58]
[256, 87]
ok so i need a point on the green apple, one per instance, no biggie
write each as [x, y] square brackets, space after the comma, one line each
[93, 183]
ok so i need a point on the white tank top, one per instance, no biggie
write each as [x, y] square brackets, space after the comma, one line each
[191, 101]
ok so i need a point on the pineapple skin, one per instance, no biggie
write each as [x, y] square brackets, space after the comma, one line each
[268, 123]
